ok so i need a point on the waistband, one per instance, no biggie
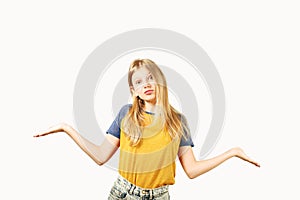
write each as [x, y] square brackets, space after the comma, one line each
[142, 192]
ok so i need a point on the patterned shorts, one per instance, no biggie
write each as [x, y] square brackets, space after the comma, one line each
[125, 190]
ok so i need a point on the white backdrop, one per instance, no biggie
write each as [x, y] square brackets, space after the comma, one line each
[254, 45]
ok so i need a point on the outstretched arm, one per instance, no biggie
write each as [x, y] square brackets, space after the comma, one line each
[195, 168]
[99, 153]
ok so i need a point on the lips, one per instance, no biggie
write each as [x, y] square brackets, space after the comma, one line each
[148, 91]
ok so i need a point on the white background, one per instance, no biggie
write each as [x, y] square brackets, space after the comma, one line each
[254, 45]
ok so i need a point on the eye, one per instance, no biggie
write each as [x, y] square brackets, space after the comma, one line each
[137, 82]
[150, 77]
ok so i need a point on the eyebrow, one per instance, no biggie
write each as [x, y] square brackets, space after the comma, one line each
[138, 78]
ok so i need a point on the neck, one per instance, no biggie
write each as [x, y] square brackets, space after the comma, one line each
[149, 107]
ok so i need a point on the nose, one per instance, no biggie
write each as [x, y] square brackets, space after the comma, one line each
[147, 84]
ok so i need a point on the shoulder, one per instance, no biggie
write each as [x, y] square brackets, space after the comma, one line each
[182, 118]
[124, 110]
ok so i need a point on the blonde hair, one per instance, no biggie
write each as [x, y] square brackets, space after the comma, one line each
[171, 118]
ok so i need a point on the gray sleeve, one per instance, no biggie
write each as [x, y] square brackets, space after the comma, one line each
[115, 127]
[187, 140]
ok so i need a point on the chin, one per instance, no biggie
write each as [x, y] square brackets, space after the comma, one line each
[149, 99]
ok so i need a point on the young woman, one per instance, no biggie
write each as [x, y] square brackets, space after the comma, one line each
[150, 134]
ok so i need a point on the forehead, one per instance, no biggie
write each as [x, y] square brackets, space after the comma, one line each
[140, 73]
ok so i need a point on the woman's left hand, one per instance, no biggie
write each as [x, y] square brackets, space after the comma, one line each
[238, 152]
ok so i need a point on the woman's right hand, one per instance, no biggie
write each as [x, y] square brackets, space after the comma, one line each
[61, 127]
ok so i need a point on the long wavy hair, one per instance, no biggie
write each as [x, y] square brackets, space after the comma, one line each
[171, 119]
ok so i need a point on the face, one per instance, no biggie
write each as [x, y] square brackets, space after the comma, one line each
[144, 85]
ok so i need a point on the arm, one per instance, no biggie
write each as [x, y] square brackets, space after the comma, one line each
[100, 154]
[195, 168]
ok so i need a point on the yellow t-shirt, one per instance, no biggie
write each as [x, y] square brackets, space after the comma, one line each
[151, 163]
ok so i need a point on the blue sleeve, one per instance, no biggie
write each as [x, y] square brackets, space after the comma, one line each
[115, 127]
[187, 140]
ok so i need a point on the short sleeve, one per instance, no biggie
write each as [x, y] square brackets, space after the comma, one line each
[115, 127]
[187, 140]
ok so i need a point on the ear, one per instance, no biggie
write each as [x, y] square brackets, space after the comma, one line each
[133, 91]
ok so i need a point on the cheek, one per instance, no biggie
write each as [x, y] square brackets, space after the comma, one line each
[154, 87]
[138, 89]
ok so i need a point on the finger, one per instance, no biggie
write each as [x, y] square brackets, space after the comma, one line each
[254, 163]
[245, 157]
[40, 134]
[47, 132]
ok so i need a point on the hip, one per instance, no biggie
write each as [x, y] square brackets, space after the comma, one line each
[123, 189]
